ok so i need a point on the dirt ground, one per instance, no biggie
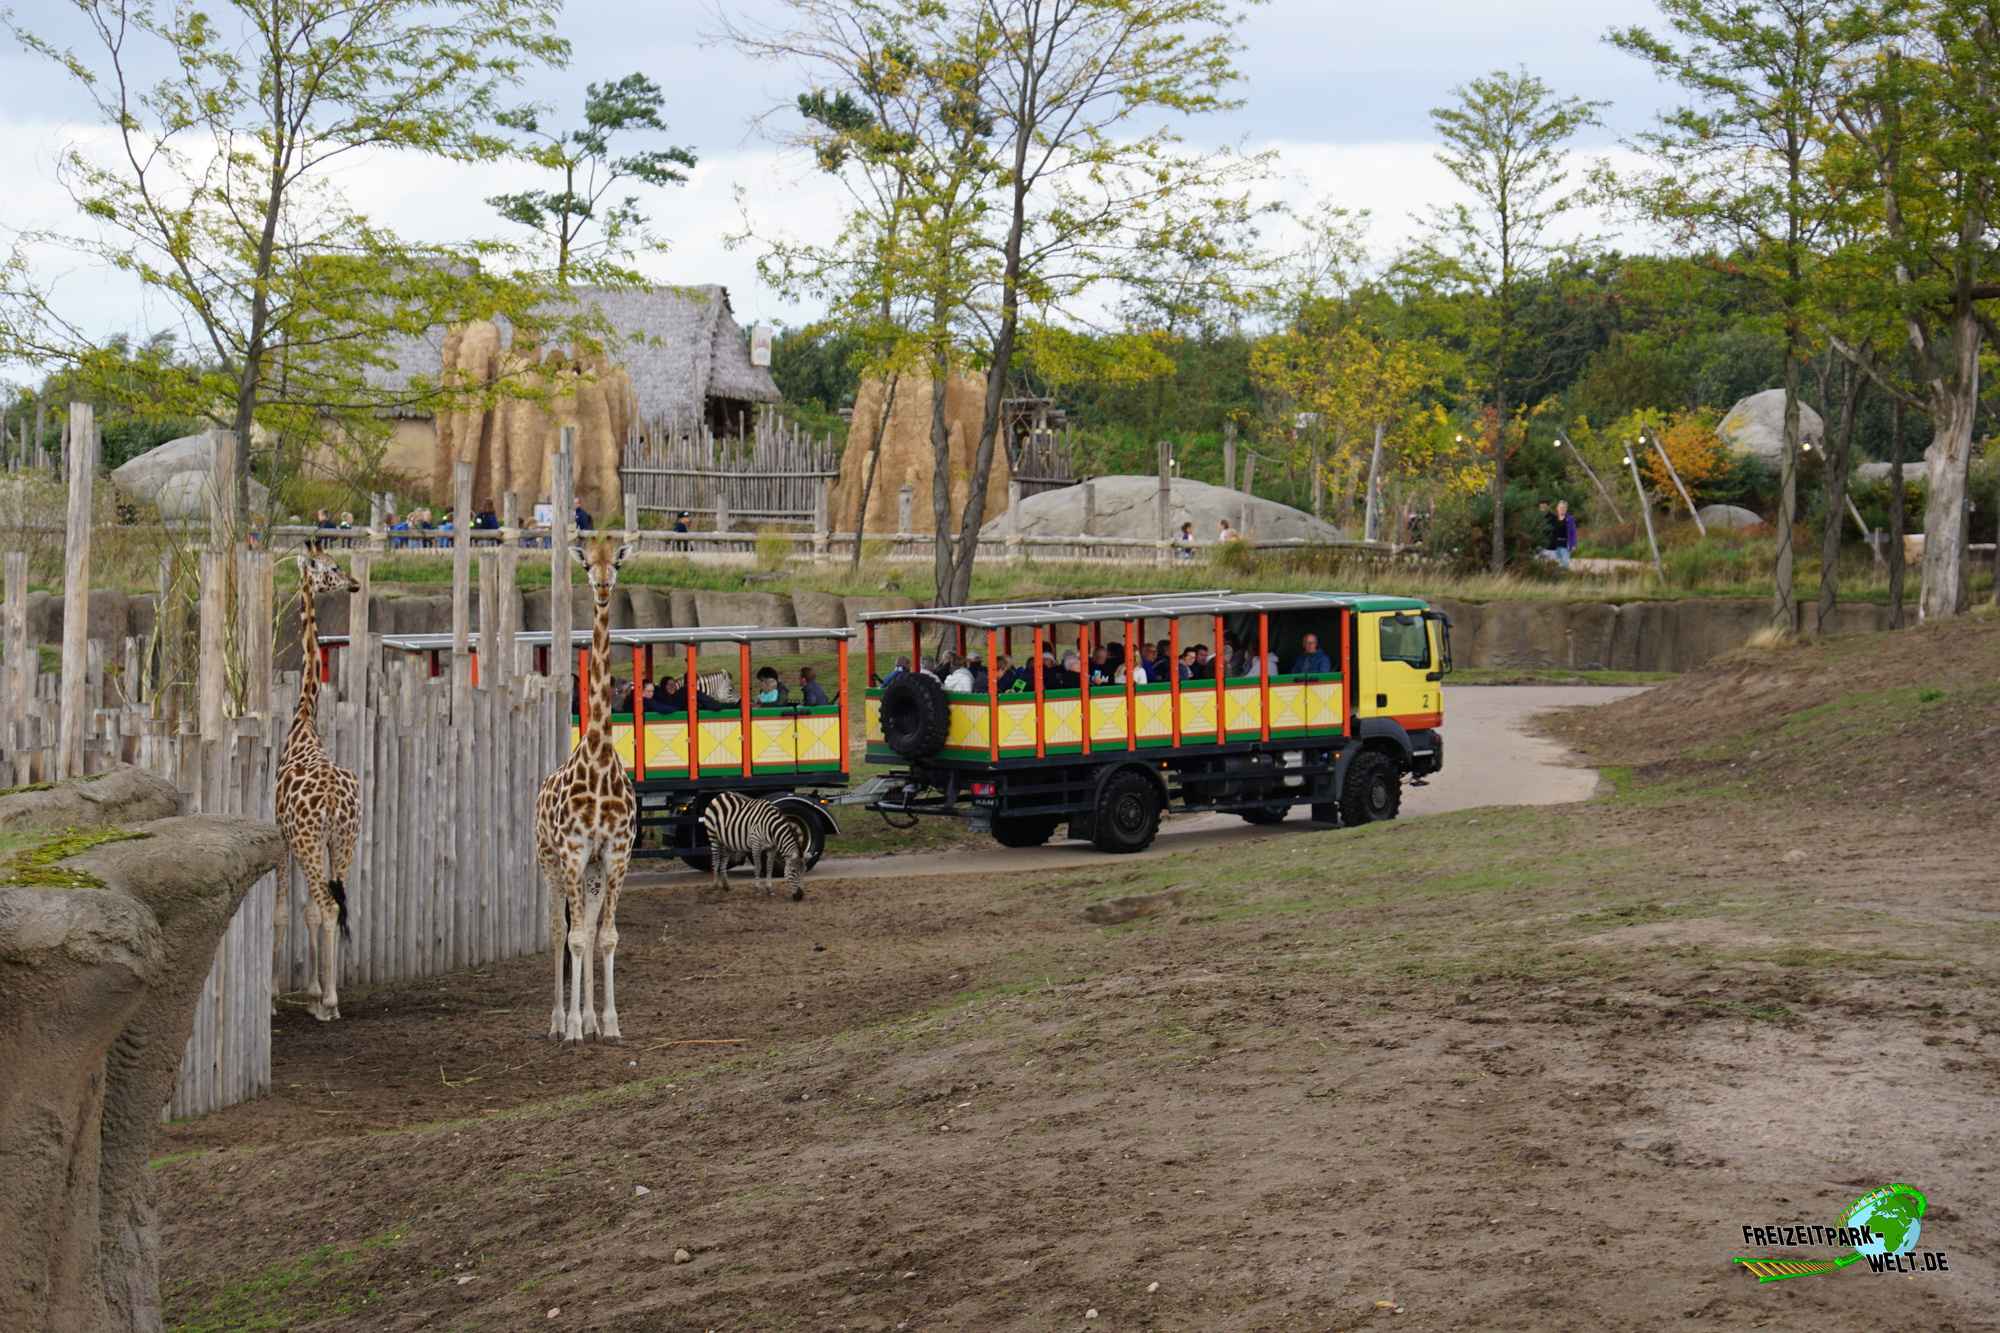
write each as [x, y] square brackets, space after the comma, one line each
[1527, 1069]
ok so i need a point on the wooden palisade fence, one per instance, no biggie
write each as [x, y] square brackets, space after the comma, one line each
[768, 471]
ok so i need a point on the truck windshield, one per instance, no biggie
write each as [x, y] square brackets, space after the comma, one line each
[1404, 640]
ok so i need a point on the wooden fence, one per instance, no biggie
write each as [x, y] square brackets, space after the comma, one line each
[769, 471]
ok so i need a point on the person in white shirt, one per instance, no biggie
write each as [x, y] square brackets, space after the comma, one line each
[959, 681]
[1138, 675]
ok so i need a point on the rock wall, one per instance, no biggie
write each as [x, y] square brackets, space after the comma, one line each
[98, 980]
[908, 458]
[1631, 636]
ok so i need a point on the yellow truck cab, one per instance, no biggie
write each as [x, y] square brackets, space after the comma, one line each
[1327, 700]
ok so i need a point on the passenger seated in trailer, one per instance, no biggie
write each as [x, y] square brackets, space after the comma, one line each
[901, 668]
[1311, 661]
[1184, 668]
[810, 693]
[958, 680]
[670, 696]
[1138, 674]
[1100, 665]
[770, 690]
[1065, 676]
[1012, 677]
[1204, 665]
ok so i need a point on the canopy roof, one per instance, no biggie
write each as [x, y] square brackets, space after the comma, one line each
[1145, 606]
[629, 638]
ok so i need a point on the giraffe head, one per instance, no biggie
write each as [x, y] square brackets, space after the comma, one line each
[318, 574]
[600, 560]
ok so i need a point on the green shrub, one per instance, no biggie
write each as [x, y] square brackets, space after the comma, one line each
[774, 548]
[1233, 557]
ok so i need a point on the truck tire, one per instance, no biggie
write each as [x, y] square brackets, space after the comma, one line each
[1373, 790]
[1127, 817]
[915, 715]
[1025, 830]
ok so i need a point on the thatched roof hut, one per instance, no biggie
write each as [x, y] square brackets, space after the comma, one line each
[682, 347]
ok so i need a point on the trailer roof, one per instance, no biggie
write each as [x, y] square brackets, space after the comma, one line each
[629, 638]
[1144, 606]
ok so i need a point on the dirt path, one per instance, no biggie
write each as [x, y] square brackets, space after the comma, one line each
[1491, 758]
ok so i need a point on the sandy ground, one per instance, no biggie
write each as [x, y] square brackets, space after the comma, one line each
[1492, 757]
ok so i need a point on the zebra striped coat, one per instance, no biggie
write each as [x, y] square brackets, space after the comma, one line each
[717, 685]
[736, 824]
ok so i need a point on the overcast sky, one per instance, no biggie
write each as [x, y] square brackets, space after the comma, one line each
[1340, 89]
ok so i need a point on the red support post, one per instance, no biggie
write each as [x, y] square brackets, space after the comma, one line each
[1218, 663]
[744, 687]
[1083, 680]
[1131, 692]
[840, 646]
[692, 692]
[868, 666]
[1174, 675]
[1041, 737]
[1264, 674]
[638, 712]
[992, 697]
[326, 664]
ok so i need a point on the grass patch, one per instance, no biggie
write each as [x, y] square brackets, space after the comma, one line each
[314, 1286]
[35, 863]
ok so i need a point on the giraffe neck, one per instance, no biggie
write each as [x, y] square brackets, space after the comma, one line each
[305, 718]
[600, 669]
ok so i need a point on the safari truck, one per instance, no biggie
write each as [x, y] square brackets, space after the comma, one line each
[792, 754]
[1108, 759]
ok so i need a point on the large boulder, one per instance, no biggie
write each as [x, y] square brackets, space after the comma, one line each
[1730, 517]
[175, 477]
[764, 610]
[1127, 507]
[1756, 426]
[103, 953]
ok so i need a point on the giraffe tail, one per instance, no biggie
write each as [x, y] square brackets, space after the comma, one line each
[339, 892]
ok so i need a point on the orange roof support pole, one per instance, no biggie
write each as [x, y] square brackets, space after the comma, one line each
[1218, 663]
[1041, 736]
[868, 633]
[1264, 674]
[744, 699]
[840, 647]
[693, 693]
[638, 712]
[1131, 692]
[1174, 675]
[1083, 680]
[992, 697]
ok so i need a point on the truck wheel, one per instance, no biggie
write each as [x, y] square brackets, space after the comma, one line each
[694, 853]
[1025, 830]
[1128, 814]
[1373, 790]
[916, 716]
[1273, 813]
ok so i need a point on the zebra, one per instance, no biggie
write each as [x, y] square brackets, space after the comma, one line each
[738, 824]
[718, 686]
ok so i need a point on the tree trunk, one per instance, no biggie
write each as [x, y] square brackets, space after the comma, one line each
[1947, 584]
[1784, 615]
[1896, 496]
[1373, 515]
[874, 460]
[941, 562]
[1839, 455]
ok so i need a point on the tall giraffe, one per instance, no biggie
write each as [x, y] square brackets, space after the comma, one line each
[584, 826]
[318, 804]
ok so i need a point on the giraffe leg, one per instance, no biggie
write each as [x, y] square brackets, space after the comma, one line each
[552, 877]
[329, 934]
[616, 860]
[312, 946]
[577, 940]
[593, 909]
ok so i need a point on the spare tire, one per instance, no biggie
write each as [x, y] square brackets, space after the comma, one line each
[915, 715]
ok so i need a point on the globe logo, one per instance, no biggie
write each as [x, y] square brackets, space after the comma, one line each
[1895, 1214]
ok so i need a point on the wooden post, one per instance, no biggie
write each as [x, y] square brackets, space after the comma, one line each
[360, 652]
[81, 459]
[1014, 497]
[563, 501]
[1686, 499]
[21, 661]
[822, 525]
[489, 660]
[1250, 474]
[1163, 503]
[507, 620]
[253, 628]
[461, 589]
[210, 675]
[1089, 507]
[376, 537]
[722, 520]
[1228, 455]
[1645, 512]
[221, 489]
[632, 517]
[904, 499]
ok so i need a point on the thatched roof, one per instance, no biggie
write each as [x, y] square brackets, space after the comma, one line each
[681, 346]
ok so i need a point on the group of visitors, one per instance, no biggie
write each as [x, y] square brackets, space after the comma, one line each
[668, 694]
[1106, 666]
[1184, 542]
[1558, 532]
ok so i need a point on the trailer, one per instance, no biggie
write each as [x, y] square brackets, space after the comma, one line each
[1109, 759]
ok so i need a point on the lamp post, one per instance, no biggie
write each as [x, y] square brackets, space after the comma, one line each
[1645, 510]
[1591, 472]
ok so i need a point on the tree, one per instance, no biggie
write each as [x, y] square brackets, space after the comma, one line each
[1739, 163]
[219, 192]
[1506, 141]
[1923, 117]
[589, 171]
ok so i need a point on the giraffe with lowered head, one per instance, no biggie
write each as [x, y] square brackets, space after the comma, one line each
[318, 804]
[584, 827]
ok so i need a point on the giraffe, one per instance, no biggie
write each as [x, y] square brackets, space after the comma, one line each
[584, 827]
[318, 805]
